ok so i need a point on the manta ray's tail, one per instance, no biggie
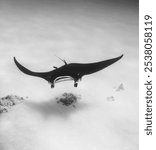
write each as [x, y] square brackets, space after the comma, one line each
[29, 72]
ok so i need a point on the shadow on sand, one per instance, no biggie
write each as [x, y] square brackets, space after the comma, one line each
[52, 108]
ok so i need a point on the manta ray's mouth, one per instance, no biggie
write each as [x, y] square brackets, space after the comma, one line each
[63, 78]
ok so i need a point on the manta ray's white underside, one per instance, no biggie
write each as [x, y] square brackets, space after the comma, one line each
[63, 78]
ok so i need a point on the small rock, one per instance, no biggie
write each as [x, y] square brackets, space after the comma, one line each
[111, 98]
[120, 87]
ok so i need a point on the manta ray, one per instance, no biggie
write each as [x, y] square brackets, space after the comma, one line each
[71, 71]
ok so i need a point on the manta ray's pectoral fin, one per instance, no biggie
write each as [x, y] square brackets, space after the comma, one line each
[97, 66]
[44, 75]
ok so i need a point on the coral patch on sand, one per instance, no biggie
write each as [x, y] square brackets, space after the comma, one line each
[68, 99]
[7, 102]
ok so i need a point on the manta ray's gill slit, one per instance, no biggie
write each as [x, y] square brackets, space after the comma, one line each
[63, 78]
